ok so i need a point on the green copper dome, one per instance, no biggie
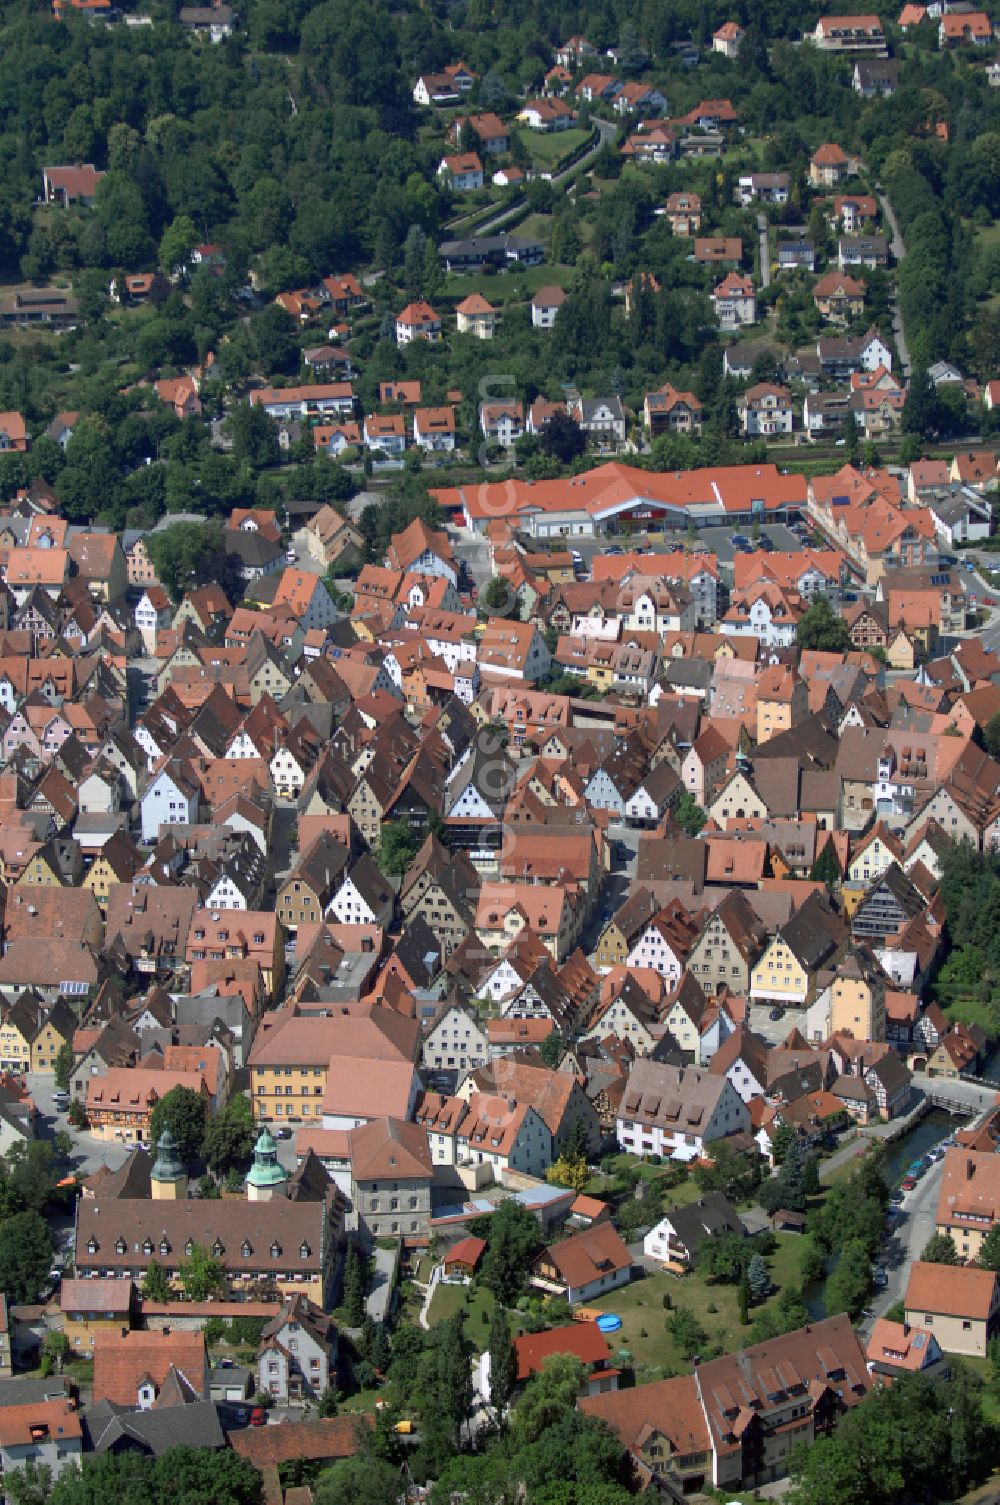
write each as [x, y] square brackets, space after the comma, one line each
[265, 1170]
[168, 1165]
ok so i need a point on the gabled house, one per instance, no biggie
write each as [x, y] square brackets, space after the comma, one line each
[363, 897]
[676, 1111]
[789, 968]
[585, 1266]
[297, 1356]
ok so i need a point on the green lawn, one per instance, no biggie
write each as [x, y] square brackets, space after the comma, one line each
[972, 1011]
[449, 1299]
[549, 151]
[644, 1333]
[991, 1390]
[364, 1401]
[987, 236]
[607, 1188]
[508, 287]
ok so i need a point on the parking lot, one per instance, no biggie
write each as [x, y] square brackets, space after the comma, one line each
[717, 540]
[720, 540]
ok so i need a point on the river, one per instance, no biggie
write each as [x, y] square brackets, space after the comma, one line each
[934, 1126]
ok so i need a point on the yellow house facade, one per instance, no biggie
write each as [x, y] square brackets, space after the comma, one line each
[736, 800]
[683, 1029]
[15, 1048]
[612, 948]
[779, 977]
[99, 878]
[272, 1087]
[857, 1007]
[102, 1304]
[47, 1044]
[780, 713]
[40, 870]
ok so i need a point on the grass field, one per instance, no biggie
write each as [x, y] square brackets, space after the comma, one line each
[987, 236]
[449, 1299]
[675, 1196]
[365, 1400]
[548, 152]
[644, 1331]
[972, 1011]
[508, 287]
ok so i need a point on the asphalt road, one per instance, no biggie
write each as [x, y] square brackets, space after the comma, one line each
[475, 552]
[909, 1238]
[606, 132]
[765, 255]
[89, 1152]
[898, 249]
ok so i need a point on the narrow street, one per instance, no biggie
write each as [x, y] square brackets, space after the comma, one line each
[606, 132]
[898, 249]
[765, 255]
[910, 1237]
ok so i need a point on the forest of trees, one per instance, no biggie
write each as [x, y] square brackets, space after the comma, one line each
[295, 146]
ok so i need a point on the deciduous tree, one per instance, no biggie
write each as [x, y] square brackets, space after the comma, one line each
[202, 1275]
[184, 1112]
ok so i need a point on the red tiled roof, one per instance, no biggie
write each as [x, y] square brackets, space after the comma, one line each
[582, 1339]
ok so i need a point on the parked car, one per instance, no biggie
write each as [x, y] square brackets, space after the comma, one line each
[880, 1279]
[908, 1183]
[776, 1014]
[258, 1417]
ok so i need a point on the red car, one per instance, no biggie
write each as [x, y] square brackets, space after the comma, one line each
[258, 1417]
[908, 1184]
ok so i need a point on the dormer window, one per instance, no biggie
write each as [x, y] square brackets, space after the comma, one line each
[218, 1248]
[304, 1250]
[92, 1245]
[147, 1246]
[164, 1246]
[189, 1247]
[276, 1250]
[120, 1245]
[246, 1248]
